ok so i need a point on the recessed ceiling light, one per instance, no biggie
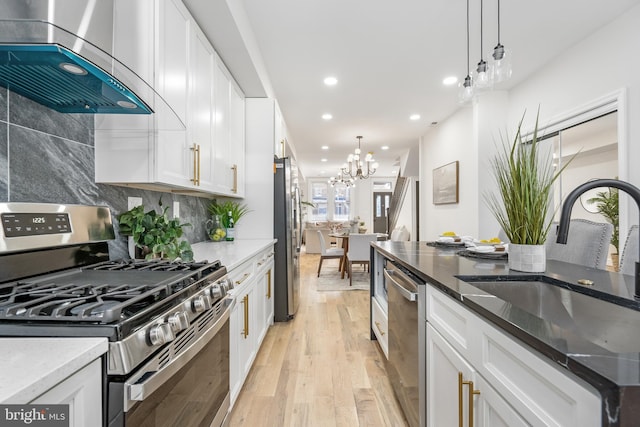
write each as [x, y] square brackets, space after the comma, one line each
[327, 116]
[330, 81]
[323, 160]
[393, 172]
[451, 80]
[414, 117]
[385, 147]
[325, 147]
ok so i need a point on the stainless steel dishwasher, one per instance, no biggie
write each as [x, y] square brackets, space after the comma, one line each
[404, 367]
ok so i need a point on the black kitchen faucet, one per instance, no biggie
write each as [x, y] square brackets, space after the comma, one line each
[563, 227]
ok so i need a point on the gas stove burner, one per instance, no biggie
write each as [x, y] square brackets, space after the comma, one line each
[92, 309]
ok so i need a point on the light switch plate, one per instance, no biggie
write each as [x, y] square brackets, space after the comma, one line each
[132, 202]
[176, 209]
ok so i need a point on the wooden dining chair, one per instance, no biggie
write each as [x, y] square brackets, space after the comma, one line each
[328, 253]
[359, 251]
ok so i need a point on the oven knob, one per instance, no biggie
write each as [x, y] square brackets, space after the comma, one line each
[161, 334]
[217, 291]
[179, 321]
[201, 303]
[228, 284]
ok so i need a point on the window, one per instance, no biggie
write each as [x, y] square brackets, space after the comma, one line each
[331, 203]
[319, 191]
[341, 203]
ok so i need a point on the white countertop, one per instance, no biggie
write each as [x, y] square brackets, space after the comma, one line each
[31, 366]
[231, 254]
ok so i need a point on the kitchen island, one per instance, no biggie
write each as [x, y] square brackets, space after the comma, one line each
[605, 361]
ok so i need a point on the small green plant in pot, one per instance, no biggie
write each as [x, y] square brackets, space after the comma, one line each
[154, 234]
[522, 206]
[229, 212]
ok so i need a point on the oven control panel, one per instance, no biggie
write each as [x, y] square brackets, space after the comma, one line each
[35, 224]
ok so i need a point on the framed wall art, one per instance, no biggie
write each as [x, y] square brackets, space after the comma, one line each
[445, 184]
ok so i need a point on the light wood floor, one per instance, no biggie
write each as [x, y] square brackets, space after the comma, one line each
[321, 368]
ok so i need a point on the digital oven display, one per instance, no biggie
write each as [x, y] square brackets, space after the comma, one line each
[35, 224]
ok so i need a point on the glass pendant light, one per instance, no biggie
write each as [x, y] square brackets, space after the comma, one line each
[501, 67]
[482, 75]
[465, 89]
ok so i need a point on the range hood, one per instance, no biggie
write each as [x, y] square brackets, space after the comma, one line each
[65, 72]
[57, 77]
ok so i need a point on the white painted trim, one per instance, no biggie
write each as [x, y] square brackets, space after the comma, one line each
[614, 101]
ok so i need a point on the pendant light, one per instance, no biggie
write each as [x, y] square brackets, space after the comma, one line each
[355, 165]
[501, 67]
[465, 91]
[482, 75]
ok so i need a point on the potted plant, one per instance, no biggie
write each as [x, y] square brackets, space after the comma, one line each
[154, 234]
[607, 206]
[229, 212]
[522, 206]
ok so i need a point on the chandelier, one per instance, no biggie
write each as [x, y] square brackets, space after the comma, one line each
[340, 180]
[355, 165]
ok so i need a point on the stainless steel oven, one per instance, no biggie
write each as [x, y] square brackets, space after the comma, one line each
[192, 389]
[404, 367]
[167, 323]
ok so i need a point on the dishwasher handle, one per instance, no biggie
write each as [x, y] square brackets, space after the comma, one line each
[400, 286]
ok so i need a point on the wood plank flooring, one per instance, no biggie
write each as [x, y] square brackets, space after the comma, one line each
[321, 368]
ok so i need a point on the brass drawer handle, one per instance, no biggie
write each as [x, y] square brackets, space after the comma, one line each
[246, 275]
[234, 168]
[245, 330]
[269, 284]
[472, 392]
[196, 164]
[379, 328]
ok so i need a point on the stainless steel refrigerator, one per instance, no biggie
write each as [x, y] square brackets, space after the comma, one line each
[287, 229]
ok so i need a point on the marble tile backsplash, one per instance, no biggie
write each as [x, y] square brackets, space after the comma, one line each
[46, 156]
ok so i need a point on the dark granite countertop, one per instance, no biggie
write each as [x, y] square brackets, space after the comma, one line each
[591, 331]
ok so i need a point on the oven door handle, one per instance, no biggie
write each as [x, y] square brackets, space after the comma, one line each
[137, 389]
[404, 290]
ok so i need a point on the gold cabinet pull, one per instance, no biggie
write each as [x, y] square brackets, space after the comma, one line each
[196, 164]
[234, 168]
[460, 382]
[238, 282]
[269, 284]
[245, 330]
[471, 392]
[379, 328]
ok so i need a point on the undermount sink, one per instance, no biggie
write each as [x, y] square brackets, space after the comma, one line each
[604, 323]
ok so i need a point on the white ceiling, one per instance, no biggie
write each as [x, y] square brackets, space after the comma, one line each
[390, 58]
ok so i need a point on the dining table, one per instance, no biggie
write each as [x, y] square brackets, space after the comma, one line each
[344, 237]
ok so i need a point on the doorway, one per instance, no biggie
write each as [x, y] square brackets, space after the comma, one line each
[381, 200]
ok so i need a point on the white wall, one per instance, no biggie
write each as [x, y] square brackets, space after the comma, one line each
[600, 65]
[451, 140]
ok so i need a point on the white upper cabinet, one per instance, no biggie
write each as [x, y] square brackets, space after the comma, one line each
[194, 141]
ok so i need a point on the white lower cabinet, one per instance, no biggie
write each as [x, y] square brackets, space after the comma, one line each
[243, 339]
[82, 391]
[251, 316]
[458, 395]
[446, 370]
[511, 384]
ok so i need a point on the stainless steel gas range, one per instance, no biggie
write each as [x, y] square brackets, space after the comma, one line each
[167, 322]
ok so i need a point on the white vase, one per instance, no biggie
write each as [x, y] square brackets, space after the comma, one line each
[527, 258]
